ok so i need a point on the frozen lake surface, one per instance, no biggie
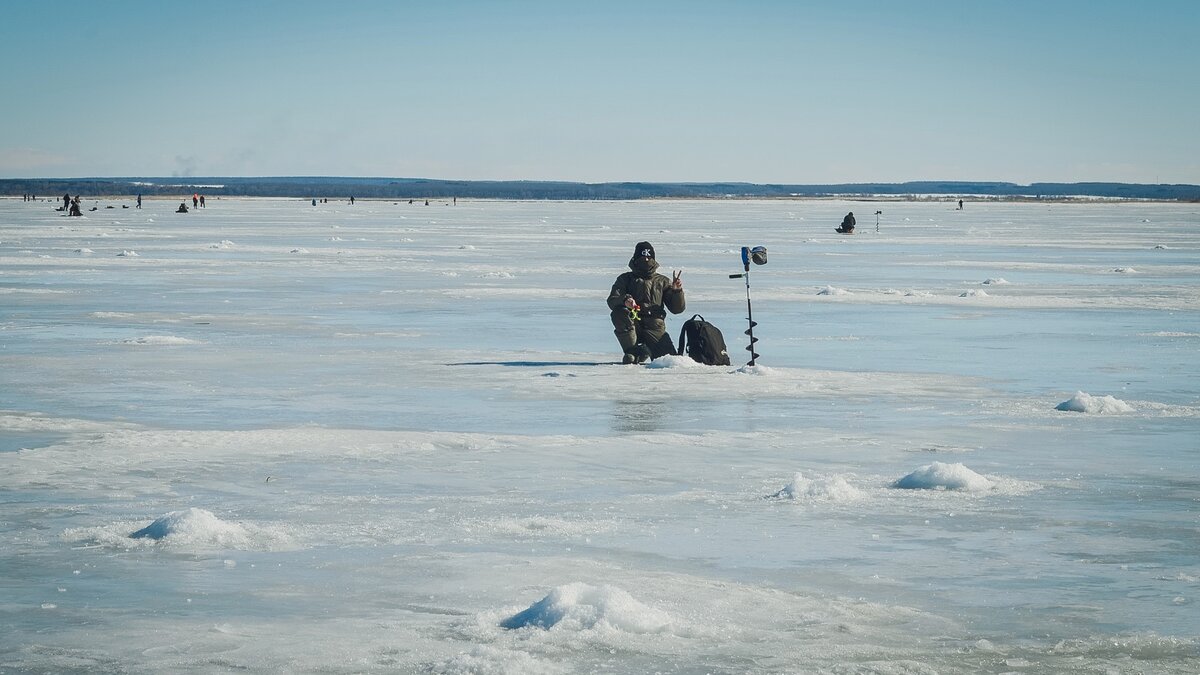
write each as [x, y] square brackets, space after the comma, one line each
[278, 437]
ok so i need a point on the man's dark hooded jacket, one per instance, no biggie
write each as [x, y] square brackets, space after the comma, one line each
[654, 293]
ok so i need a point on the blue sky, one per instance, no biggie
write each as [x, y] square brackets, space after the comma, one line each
[766, 92]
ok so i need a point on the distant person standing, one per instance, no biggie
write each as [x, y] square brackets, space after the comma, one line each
[201, 201]
[139, 201]
[195, 200]
[351, 200]
[67, 201]
[960, 205]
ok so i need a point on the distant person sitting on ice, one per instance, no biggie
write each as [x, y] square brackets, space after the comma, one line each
[847, 224]
[182, 208]
[637, 301]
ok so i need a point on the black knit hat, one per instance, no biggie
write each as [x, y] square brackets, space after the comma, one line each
[643, 249]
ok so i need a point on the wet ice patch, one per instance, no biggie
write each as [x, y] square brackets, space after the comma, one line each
[537, 526]
[579, 606]
[827, 489]
[944, 476]
[1095, 405]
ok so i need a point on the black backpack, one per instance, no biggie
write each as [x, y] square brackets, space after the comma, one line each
[703, 342]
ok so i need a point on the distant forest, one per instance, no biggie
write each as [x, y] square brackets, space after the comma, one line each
[420, 188]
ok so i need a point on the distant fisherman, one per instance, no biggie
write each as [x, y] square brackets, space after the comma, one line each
[847, 224]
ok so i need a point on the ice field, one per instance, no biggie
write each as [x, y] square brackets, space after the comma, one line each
[267, 436]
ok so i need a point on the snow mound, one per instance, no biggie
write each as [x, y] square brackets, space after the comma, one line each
[830, 290]
[196, 527]
[761, 371]
[299, 250]
[159, 340]
[127, 254]
[1095, 405]
[580, 606]
[224, 243]
[497, 275]
[943, 476]
[670, 361]
[974, 293]
[84, 251]
[918, 294]
[828, 489]
[998, 281]
[1125, 270]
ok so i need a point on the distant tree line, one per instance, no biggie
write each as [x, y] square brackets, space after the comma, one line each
[419, 188]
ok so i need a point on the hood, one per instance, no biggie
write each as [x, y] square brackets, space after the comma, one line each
[643, 267]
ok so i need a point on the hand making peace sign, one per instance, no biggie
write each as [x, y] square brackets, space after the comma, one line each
[676, 282]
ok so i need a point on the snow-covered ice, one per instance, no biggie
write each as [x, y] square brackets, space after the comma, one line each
[409, 447]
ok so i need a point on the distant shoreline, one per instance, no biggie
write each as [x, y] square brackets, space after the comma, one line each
[338, 188]
[868, 199]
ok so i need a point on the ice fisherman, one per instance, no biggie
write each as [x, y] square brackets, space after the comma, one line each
[847, 224]
[639, 300]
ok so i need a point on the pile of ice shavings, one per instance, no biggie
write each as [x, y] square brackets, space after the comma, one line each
[196, 527]
[580, 606]
[943, 476]
[831, 290]
[1097, 405]
[831, 489]
[670, 361]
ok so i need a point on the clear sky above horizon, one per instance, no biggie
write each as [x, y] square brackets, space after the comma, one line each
[754, 91]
